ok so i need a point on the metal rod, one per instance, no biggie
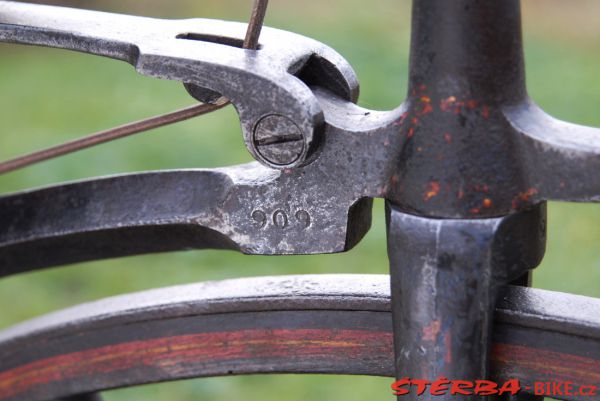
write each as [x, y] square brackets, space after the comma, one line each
[251, 42]
[256, 22]
[109, 135]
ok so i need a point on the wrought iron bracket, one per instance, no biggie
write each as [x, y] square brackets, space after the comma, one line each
[467, 142]
[465, 164]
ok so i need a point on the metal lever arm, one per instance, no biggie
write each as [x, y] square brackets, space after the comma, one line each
[249, 208]
[324, 207]
[562, 159]
[201, 52]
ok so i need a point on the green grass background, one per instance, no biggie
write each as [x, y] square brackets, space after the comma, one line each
[49, 96]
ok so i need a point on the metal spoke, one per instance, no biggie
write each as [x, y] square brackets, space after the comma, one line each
[251, 42]
[256, 22]
[110, 135]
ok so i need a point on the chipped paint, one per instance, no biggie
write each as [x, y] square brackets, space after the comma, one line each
[432, 191]
[431, 331]
[448, 345]
[524, 197]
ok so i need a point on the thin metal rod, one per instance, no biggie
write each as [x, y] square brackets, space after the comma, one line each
[251, 42]
[256, 23]
[110, 135]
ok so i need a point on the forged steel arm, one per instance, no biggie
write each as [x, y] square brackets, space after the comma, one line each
[232, 208]
[465, 164]
[250, 208]
[428, 157]
[324, 207]
[562, 159]
[337, 324]
[205, 53]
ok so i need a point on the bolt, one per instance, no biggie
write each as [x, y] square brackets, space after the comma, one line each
[278, 140]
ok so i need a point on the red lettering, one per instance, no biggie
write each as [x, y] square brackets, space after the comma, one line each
[511, 387]
[461, 386]
[398, 386]
[439, 387]
[538, 388]
[485, 387]
[556, 390]
[569, 388]
[590, 393]
[421, 385]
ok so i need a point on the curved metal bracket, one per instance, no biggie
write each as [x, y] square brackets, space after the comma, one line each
[206, 53]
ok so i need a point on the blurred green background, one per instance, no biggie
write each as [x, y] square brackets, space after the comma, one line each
[49, 96]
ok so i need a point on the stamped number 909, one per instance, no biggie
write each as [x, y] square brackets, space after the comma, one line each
[281, 219]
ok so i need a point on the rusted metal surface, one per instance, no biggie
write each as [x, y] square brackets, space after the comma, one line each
[446, 275]
[467, 142]
[463, 164]
[321, 324]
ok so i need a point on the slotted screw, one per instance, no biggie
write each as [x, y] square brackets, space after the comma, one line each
[278, 140]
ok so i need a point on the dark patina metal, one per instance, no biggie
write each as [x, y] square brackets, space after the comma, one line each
[464, 165]
[334, 324]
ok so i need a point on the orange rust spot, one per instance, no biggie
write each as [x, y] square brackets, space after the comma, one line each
[471, 104]
[487, 203]
[531, 192]
[448, 345]
[431, 331]
[475, 210]
[446, 104]
[422, 87]
[425, 99]
[524, 197]
[427, 108]
[448, 137]
[400, 121]
[414, 121]
[485, 112]
[411, 132]
[432, 191]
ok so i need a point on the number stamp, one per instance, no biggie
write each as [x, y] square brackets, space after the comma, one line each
[281, 219]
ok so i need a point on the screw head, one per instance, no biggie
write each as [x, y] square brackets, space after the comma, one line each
[278, 140]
